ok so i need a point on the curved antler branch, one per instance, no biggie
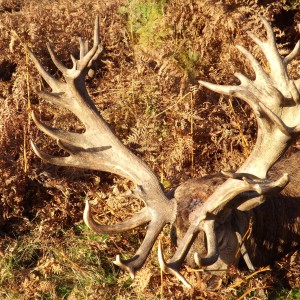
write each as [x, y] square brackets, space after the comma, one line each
[140, 218]
[169, 270]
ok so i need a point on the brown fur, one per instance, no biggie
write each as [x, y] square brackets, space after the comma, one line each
[276, 223]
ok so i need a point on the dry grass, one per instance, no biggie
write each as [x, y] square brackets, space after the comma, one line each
[146, 88]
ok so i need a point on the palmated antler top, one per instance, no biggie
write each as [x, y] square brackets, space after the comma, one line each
[99, 149]
[274, 98]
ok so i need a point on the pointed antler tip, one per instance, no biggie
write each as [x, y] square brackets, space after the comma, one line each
[228, 174]
[167, 269]
[161, 260]
[118, 261]
[31, 54]
[32, 144]
[36, 150]
[197, 259]
[86, 209]
[49, 47]
[262, 17]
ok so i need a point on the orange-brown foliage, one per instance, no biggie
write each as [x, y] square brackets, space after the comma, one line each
[146, 88]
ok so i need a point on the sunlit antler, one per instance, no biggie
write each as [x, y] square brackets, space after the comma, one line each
[99, 149]
[274, 98]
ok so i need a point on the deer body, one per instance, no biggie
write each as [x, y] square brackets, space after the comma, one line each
[275, 229]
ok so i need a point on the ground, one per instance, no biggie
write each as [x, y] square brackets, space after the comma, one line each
[146, 87]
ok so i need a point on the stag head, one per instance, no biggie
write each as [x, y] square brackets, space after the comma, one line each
[274, 98]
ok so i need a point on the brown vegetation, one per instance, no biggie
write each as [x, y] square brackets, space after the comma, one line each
[146, 88]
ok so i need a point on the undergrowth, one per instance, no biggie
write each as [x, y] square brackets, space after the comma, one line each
[146, 88]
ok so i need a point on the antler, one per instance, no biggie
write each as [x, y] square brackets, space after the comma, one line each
[99, 149]
[275, 100]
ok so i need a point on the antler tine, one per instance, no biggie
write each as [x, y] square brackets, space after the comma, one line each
[212, 247]
[277, 64]
[248, 182]
[172, 267]
[57, 134]
[54, 83]
[169, 270]
[99, 149]
[260, 73]
[274, 98]
[83, 47]
[140, 218]
[59, 161]
[230, 90]
[293, 54]
[93, 53]
[59, 65]
[136, 262]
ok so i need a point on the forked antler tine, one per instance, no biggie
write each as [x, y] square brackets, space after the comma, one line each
[203, 218]
[136, 262]
[138, 219]
[93, 53]
[277, 63]
[278, 121]
[168, 270]
[271, 53]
